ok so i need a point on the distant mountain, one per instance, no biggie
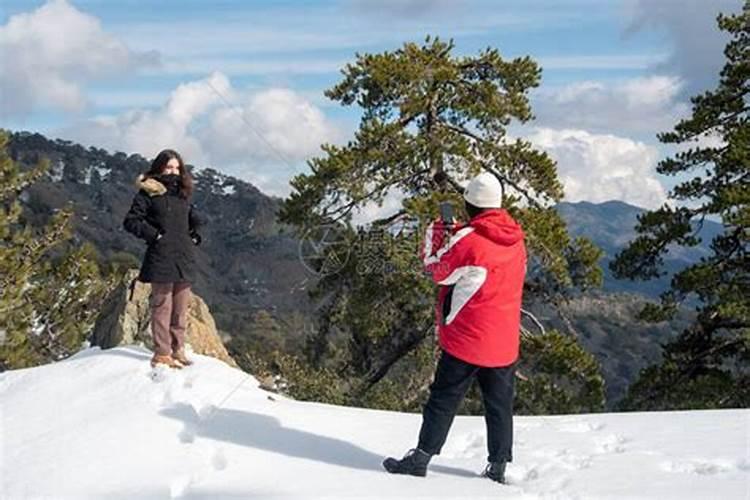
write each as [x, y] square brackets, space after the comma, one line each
[607, 327]
[611, 225]
[249, 262]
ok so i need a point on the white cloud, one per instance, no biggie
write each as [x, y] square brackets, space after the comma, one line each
[266, 136]
[641, 105]
[371, 211]
[272, 125]
[599, 168]
[149, 131]
[263, 137]
[50, 53]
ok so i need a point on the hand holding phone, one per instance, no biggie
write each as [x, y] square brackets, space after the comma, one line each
[446, 212]
[446, 215]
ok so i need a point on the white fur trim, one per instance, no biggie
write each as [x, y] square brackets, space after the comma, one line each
[150, 185]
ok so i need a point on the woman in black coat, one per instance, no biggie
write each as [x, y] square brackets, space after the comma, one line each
[162, 216]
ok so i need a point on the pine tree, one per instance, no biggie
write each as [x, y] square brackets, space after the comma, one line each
[430, 122]
[49, 292]
[707, 365]
[565, 378]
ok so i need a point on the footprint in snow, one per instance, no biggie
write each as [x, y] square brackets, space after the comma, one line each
[187, 434]
[215, 460]
[158, 374]
[516, 474]
[552, 488]
[469, 445]
[189, 382]
[179, 486]
[613, 443]
[524, 426]
[581, 426]
[174, 393]
[566, 459]
[574, 461]
[206, 412]
[219, 460]
[701, 467]
[178, 391]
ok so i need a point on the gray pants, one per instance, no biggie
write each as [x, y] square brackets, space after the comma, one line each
[169, 308]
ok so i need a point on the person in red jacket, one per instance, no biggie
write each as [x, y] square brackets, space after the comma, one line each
[480, 268]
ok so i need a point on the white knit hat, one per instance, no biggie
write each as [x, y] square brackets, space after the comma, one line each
[484, 191]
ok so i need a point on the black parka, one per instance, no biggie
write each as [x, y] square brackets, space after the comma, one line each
[169, 225]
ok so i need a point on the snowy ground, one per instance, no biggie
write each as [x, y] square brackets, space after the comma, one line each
[104, 425]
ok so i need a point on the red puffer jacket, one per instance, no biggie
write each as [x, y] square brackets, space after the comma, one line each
[481, 269]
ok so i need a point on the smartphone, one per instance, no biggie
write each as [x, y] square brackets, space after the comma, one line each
[446, 212]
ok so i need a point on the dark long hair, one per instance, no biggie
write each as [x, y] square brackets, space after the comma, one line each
[161, 160]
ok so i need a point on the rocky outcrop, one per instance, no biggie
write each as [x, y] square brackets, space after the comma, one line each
[126, 319]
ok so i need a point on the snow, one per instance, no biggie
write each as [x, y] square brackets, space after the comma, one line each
[103, 171]
[56, 171]
[100, 168]
[103, 424]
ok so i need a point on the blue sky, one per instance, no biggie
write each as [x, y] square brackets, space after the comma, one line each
[238, 86]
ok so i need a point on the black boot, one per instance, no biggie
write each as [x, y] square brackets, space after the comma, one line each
[495, 471]
[414, 463]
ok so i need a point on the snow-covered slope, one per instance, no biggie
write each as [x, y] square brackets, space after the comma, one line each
[104, 425]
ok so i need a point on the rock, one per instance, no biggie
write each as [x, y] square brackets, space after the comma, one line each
[267, 383]
[126, 319]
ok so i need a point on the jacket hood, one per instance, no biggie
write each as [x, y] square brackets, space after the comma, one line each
[150, 185]
[497, 226]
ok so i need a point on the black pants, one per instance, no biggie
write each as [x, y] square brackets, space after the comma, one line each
[452, 379]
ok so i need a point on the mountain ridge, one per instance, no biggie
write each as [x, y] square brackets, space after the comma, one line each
[611, 225]
[249, 264]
